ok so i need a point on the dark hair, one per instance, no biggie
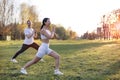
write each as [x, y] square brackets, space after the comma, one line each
[43, 22]
[28, 21]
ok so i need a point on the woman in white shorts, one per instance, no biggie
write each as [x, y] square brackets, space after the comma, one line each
[44, 49]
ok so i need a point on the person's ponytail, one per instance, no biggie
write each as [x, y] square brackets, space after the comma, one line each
[41, 27]
[43, 22]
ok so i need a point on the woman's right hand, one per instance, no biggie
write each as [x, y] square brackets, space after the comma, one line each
[53, 29]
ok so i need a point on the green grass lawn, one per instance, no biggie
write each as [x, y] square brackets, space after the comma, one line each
[80, 60]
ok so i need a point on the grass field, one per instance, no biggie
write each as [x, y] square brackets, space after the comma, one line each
[80, 60]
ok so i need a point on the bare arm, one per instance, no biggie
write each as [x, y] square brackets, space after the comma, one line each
[35, 35]
[29, 35]
[46, 34]
[56, 36]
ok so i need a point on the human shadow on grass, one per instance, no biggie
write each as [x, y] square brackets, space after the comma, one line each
[13, 72]
[12, 69]
[70, 48]
[10, 74]
[57, 77]
[50, 76]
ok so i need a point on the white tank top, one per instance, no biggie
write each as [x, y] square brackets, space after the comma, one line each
[43, 36]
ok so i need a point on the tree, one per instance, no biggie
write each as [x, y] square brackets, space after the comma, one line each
[36, 27]
[61, 32]
[6, 15]
[33, 16]
[28, 12]
[85, 35]
[73, 34]
[90, 36]
[24, 11]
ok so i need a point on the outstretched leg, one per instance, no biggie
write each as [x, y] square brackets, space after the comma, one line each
[35, 60]
[23, 48]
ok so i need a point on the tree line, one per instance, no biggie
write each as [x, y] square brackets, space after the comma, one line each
[14, 26]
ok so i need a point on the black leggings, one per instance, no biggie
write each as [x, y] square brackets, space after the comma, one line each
[25, 47]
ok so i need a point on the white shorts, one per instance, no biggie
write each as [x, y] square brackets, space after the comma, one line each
[43, 50]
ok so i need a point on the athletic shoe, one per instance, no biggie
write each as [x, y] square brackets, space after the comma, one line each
[57, 72]
[42, 60]
[23, 71]
[14, 60]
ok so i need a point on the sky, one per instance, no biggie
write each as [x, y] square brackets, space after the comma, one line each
[80, 15]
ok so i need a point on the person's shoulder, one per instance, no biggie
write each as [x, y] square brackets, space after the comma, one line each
[32, 29]
[26, 29]
[42, 29]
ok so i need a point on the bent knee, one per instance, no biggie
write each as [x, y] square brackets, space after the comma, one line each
[34, 61]
[57, 57]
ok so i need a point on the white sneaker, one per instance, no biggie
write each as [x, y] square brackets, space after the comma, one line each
[57, 72]
[42, 60]
[23, 71]
[14, 60]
